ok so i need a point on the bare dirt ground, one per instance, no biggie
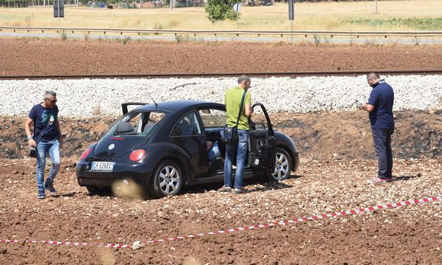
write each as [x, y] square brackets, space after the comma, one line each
[46, 57]
[405, 235]
[335, 148]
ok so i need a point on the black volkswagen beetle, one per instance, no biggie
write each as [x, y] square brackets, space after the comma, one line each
[163, 147]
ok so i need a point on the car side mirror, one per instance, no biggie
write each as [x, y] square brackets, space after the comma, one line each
[125, 127]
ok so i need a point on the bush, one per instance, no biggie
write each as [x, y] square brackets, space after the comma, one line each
[63, 36]
[219, 10]
[126, 39]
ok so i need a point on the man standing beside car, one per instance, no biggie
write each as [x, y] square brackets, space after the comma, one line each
[380, 108]
[233, 99]
[47, 138]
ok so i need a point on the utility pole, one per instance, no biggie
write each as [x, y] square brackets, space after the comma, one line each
[59, 15]
[291, 15]
[376, 8]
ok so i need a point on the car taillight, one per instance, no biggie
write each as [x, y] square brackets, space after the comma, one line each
[85, 153]
[137, 155]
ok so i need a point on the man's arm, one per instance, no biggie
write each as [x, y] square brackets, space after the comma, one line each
[248, 105]
[60, 138]
[28, 122]
[367, 107]
[372, 101]
[248, 110]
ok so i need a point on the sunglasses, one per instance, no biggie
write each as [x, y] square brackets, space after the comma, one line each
[53, 101]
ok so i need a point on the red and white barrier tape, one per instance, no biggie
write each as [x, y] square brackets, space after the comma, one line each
[64, 243]
[232, 230]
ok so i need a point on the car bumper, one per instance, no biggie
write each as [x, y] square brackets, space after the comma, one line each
[139, 173]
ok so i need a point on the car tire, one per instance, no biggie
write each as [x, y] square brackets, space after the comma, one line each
[283, 166]
[168, 179]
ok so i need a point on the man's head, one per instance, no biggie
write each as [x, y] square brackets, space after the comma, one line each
[244, 81]
[50, 98]
[372, 78]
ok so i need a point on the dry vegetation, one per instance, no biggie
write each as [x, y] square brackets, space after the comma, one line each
[309, 16]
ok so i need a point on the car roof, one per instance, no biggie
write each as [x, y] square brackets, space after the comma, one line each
[176, 105]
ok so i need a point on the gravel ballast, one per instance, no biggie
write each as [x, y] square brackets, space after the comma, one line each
[92, 97]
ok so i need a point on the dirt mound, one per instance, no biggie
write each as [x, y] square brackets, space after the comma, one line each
[347, 135]
[78, 133]
[318, 136]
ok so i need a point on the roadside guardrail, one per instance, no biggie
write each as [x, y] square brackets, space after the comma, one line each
[281, 33]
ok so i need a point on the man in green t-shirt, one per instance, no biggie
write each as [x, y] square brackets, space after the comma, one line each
[233, 98]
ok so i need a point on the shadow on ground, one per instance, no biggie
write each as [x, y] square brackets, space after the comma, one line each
[406, 177]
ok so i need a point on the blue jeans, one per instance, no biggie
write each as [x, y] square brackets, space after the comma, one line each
[243, 137]
[382, 146]
[43, 147]
[214, 152]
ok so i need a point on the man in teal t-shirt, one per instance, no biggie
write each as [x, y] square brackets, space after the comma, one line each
[233, 98]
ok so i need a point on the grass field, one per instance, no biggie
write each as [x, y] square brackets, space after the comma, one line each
[393, 15]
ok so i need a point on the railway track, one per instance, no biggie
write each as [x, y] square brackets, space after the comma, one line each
[218, 75]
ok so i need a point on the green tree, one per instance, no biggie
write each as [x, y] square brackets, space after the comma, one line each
[221, 10]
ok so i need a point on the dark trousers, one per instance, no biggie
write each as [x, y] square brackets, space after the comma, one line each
[382, 146]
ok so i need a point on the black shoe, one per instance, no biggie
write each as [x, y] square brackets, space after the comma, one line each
[41, 195]
[50, 187]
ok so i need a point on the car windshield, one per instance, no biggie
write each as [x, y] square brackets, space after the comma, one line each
[137, 124]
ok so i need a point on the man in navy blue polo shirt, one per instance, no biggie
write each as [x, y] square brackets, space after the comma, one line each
[380, 108]
[47, 138]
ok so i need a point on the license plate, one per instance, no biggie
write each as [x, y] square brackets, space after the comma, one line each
[102, 166]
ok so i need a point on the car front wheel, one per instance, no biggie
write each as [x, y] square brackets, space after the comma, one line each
[168, 179]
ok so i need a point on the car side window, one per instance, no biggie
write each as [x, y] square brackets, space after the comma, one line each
[213, 118]
[136, 124]
[188, 125]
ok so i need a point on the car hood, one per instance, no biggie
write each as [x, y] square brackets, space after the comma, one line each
[117, 146]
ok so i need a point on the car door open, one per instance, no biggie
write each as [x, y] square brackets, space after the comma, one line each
[262, 143]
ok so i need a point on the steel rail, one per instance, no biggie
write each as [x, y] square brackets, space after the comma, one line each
[282, 33]
[218, 75]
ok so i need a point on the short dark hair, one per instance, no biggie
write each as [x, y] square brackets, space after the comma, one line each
[243, 78]
[373, 76]
[49, 93]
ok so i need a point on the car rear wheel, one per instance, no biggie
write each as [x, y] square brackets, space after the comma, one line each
[168, 179]
[283, 165]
